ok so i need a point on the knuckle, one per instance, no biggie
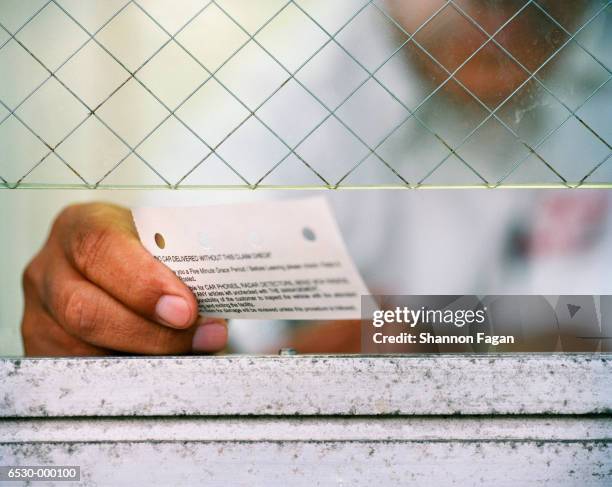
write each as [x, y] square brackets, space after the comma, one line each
[89, 246]
[80, 313]
[35, 273]
[87, 229]
[165, 341]
[149, 285]
[66, 218]
[27, 326]
[74, 210]
[30, 276]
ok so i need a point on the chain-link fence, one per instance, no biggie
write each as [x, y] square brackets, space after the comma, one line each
[305, 93]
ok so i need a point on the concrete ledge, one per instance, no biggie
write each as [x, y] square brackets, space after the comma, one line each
[311, 463]
[510, 384]
[482, 420]
[576, 429]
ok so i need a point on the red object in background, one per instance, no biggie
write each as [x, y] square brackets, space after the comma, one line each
[567, 224]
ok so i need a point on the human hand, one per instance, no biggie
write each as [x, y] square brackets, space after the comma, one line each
[93, 289]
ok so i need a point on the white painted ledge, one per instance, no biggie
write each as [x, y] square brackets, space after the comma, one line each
[454, 429]
[426, 385]
[444, 420]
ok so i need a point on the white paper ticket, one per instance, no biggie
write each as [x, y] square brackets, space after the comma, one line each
[265, 260]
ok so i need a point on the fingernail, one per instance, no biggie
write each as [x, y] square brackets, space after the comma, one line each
[210, 336]
[173, 310]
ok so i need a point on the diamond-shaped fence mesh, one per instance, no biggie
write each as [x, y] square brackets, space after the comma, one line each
[305, 93]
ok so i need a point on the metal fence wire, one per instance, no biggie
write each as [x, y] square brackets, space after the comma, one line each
[305, 93]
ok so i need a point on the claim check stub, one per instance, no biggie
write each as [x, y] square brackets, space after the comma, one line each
[279, 259]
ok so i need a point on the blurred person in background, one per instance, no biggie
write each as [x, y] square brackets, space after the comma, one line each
[534, 242]
[423, 242]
